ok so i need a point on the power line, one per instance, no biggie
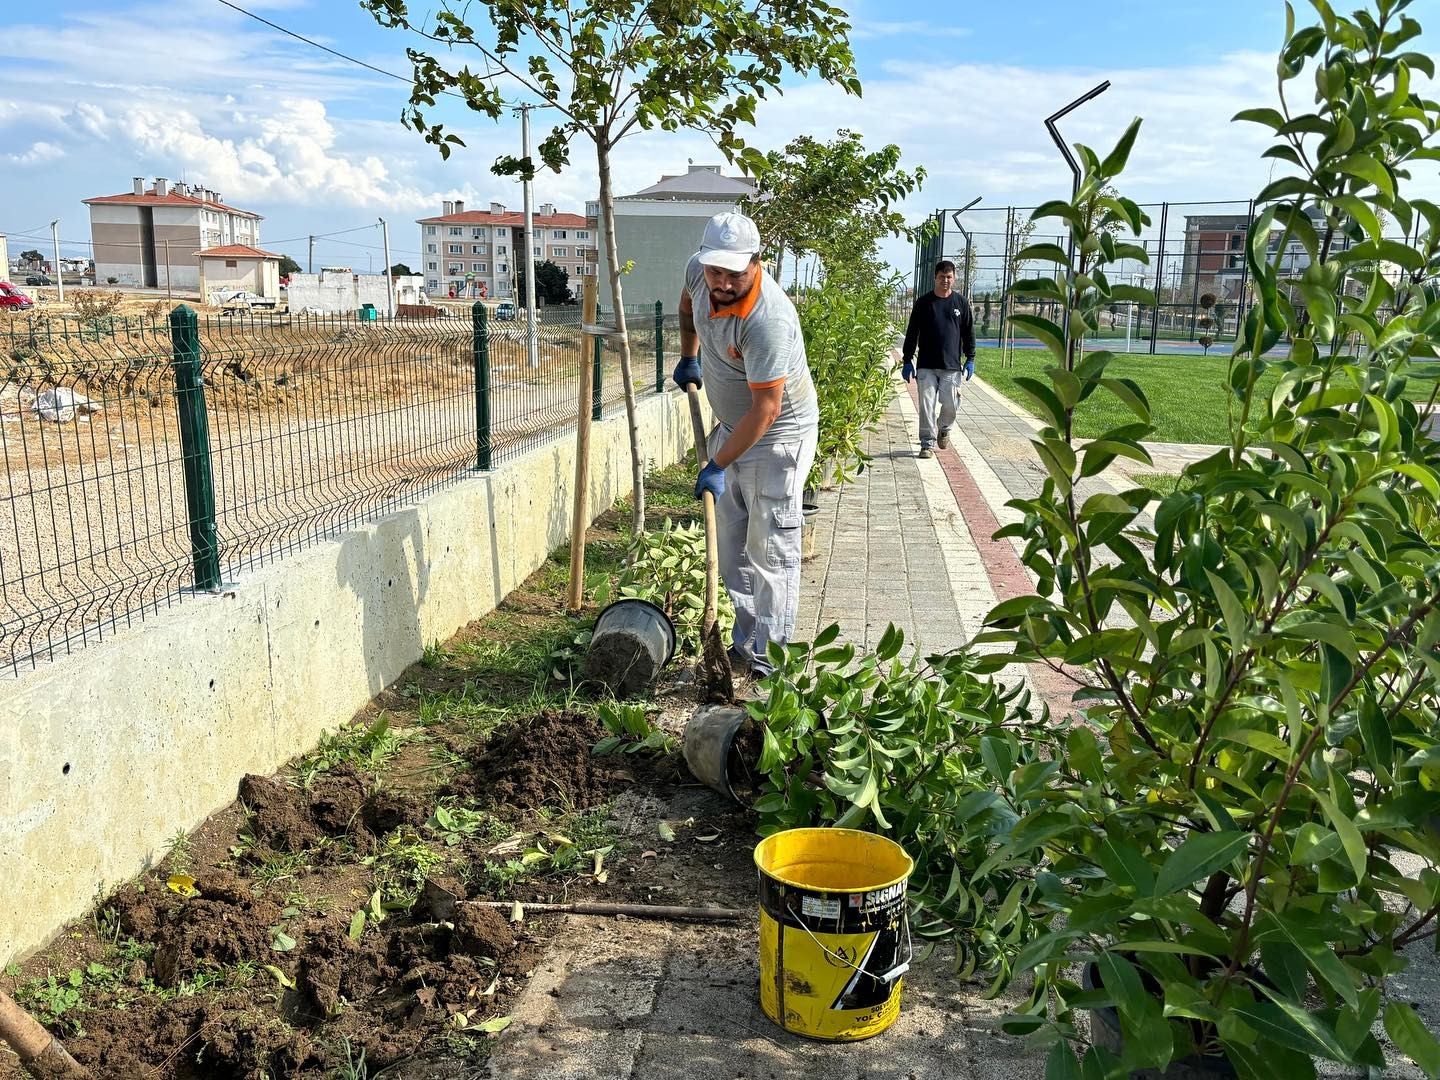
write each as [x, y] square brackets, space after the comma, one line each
[490, 73]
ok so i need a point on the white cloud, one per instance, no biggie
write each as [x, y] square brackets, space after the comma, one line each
[39, 152]
[866, 29]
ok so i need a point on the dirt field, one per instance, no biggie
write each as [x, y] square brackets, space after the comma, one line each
[315, 425]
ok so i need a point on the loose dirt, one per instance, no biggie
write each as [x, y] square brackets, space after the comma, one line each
[546, 761]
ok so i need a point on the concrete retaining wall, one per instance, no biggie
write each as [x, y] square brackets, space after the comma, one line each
[106, 755]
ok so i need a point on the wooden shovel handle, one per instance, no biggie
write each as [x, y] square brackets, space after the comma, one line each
[33, 1044]
[712, 543]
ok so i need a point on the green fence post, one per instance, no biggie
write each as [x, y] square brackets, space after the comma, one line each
[597, 389]
[479, 316]
[659, 346]
[195, 447]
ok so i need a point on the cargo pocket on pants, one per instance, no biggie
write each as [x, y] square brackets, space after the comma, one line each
[785, 537]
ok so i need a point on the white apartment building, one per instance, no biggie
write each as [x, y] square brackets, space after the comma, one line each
[476, 253]
[149, 235]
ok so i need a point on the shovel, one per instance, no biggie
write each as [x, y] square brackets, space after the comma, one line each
[41, 1054]
[716, 682]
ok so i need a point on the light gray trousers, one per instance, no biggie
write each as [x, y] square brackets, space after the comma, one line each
[939, 393]
[757, 522]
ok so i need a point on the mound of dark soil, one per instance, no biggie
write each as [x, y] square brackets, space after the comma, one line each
[225, 924]
[544, 762]
[340, 802]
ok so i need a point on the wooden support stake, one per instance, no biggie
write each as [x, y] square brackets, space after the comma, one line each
[589, 302]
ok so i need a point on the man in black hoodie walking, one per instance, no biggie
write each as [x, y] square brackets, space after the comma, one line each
[943, 328]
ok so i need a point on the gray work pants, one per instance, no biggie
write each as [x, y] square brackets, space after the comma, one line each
[939, 392]
[757, 522]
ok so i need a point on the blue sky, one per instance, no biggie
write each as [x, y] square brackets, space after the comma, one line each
[92, 94]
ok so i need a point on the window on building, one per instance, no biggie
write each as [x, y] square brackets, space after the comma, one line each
[429, 230]
[231, 264]
[502, 231]
[501, 249]
[431, 266]
[478, 268]
[1237, 241]
[455, 230]
[456, 268]
[431, 284]
[537, 251]
[581, 234]
[502, 268]
[557, 253]
[477, 234]
[457, 249]
[557, 234]
[479, 249]
[430, 249]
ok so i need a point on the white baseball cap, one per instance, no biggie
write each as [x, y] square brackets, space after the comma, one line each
[731, 240]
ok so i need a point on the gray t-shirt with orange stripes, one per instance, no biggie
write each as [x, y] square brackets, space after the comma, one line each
[756, 342]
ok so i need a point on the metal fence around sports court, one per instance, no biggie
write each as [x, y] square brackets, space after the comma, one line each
[1196, 271]
[147, 457]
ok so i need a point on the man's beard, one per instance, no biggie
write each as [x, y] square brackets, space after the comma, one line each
[723, 299]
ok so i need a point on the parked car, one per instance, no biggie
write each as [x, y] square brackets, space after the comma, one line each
[38, 279]
[12, 299]
[505, 311]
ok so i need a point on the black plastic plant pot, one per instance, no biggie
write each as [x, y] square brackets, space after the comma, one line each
[633, 639]
[709, 738]
[1105, 1033]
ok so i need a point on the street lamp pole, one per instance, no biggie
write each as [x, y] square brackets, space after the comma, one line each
[969, 266]
[59, 273]
[1050, 126]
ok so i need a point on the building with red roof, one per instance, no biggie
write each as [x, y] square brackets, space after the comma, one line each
[149, 236]
[477, 253]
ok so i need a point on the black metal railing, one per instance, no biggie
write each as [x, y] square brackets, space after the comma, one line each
[148, 457]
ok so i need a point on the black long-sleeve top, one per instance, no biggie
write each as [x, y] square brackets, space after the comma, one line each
[944, 329]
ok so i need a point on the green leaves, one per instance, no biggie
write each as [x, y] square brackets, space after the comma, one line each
[1201, 855]
[1409, 1033]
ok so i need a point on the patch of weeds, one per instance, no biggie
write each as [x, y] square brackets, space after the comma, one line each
[401, 867]
[631, 731]
[455, 824]
[470, 1048]
[434, 656]
[269, 867]
[570, 844]
[353, 1067]
[179, 860]
[368, 748]
[57, 1000]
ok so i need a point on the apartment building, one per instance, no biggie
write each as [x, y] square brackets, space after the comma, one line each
[659, 227]
[149, 235]
[477, 253]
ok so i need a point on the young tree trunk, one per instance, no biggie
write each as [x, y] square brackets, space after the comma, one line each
[612, 256]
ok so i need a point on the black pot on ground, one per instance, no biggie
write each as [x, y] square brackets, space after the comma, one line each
[633, 639]
[1105, 1033]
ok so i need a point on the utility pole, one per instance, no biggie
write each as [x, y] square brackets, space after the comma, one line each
[310, 263]
[389, 277]
[532, 329]
[59, 273]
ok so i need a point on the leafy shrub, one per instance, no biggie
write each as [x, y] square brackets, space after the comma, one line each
[848, 336]
[667, 567]
[1242, 836]
[938, 759]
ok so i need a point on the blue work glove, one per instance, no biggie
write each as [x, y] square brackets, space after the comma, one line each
[688, 372]
[711, 479]
[907, 370]
[969, 370]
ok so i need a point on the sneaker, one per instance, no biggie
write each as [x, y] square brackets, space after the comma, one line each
[944, 441]
[926, 452]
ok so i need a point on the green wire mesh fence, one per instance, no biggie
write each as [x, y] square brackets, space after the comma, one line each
[147, 457]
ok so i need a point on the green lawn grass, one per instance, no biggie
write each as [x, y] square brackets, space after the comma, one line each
[1187, 394]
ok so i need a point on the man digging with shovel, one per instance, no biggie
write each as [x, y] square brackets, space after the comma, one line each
[740, 322]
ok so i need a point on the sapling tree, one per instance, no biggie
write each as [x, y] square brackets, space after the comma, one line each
[610, 69]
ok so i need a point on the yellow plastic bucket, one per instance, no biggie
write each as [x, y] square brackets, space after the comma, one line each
[834, 933]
